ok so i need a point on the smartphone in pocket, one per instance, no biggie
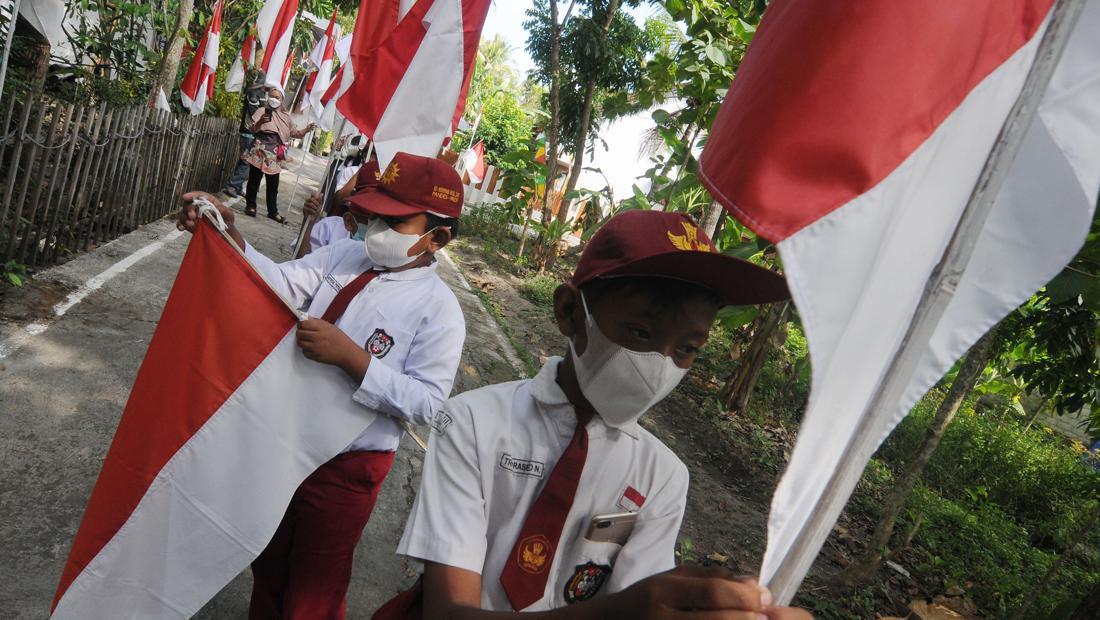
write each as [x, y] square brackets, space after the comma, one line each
[611, 528]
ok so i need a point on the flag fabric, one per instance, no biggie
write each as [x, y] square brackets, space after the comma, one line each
[198, 83]
[211, 446]
[274, 29]
[473, 162]
[322, 58]
[374, 22]
[858, 163]
[286, 73]
[407, 95]
[234, 80]
[162, 101]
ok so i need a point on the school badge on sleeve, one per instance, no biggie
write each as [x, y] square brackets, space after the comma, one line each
[586, 582]
[379, 343]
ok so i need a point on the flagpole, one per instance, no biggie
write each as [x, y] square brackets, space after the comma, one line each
[8, 44]
[307, 220]
[933, 303]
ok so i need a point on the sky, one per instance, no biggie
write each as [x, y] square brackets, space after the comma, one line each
[620, 162]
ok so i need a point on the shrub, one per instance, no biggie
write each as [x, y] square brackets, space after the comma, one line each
[539, 288]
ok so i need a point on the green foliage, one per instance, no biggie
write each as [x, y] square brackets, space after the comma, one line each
[615, 63]
[490, 221]
[14, 273]
[540, 288]
[322, 140]
[504, 126]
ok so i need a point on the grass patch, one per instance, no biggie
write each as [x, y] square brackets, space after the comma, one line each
[539, 289]
[529, 361]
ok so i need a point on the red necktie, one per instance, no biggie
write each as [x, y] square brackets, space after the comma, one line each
[524, 576]
[340, 302]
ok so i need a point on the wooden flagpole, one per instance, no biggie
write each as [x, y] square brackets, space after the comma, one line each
[934, 300]
[330, 177]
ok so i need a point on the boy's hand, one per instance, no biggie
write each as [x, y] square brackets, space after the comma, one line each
[188, 216]
[312, 207]
[323, 342]
[709, 592]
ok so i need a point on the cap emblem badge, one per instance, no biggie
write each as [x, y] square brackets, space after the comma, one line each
[689, 240]
[391, 173]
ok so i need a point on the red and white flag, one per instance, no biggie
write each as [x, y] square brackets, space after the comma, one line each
[852, 137]
[210, 448]
[374, 22]
[322, 57]
[274, 29]
[473, 162]
[234, 80]
[198, 83]
[286, 72]
[409, 93]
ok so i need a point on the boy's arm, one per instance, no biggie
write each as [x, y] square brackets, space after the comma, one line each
[686, 592]
[296, 280]
[415, 392]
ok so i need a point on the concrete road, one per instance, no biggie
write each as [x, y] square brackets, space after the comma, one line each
[64, 381]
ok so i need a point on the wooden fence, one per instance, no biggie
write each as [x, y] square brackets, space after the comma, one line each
[74, 176]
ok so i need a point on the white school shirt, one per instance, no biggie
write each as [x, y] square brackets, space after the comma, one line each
[491, 452]
[409, 321]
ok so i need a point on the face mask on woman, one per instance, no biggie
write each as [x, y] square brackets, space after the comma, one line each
[388, 248]
[620, 383]
[274, 103]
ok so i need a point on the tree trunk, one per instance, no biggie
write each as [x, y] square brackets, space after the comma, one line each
[579, 142]
[1080, 535]
[170, 62]
[555, 122]
[737, 391]
[526, 227]
[865, 566]
[712, 219]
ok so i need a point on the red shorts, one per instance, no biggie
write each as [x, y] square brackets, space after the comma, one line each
[305, 569]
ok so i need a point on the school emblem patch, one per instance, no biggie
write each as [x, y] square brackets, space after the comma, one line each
[379, 343]
[390, 174]
[689, 240]
[586, 582]
[534, 553]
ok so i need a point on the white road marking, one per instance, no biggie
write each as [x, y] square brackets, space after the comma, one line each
[93, 284]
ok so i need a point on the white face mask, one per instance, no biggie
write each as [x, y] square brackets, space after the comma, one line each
[274, 103]
[388, 248]
[621, 384]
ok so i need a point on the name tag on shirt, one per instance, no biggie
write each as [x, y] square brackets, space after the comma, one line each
[522, 467]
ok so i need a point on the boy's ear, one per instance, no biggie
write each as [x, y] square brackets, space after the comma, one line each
[567, 299]
[440, 237]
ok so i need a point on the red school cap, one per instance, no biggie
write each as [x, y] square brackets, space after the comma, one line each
[413, 184]
[671, 245]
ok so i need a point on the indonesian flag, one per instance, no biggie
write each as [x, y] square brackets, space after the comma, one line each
[852, 137]
[375, 21]
[322, 57]
[198, 83]
[286, 72]
[274, 28]
[408, 94]
[210, 448]
[473, 161]
[234, 81]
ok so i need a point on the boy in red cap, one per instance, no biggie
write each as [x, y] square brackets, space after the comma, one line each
[380, 313]
[546, 494]
[334, 225]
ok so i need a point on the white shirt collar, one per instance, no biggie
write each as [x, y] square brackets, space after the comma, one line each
[545, 389]
[410, 274]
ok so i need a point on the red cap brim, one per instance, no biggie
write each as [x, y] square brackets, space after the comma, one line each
[737, 282]
[378, 203]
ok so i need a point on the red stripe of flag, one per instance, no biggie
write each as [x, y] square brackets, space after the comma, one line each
[795, 140]
[283, 21]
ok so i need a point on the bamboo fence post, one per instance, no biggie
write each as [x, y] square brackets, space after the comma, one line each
[21, 198]
[51, 232]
